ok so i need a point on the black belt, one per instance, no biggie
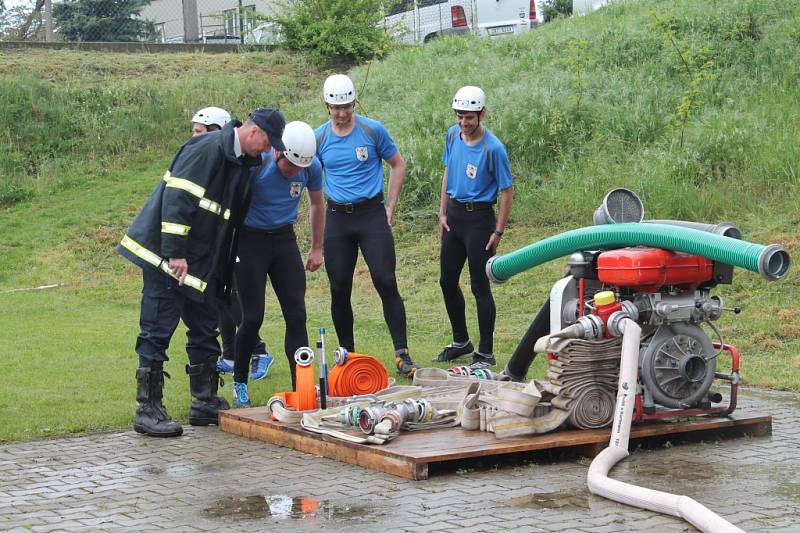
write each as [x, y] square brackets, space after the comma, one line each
[352, 208]
[288, 228]
[471, 206]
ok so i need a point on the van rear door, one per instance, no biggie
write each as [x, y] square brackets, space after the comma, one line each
[495, 18]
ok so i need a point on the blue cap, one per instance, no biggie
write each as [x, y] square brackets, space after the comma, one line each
[273, 123]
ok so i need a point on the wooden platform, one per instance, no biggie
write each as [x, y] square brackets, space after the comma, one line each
[411, 454]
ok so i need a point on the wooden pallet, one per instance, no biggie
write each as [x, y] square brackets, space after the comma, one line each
[411, 454]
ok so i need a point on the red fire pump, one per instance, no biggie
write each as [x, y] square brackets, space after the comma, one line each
[667, 293]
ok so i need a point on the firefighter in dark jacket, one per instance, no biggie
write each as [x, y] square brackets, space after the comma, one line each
[184, 239]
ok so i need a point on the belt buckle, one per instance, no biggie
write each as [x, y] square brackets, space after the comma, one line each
[348, 208]
[469, 206]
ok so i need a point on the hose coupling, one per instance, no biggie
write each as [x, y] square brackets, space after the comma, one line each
[340, 355]
[369, 417]
[590, 327]
[304, 356]
[629, 310]
[490, 274]
[484, 373]
[773, 262]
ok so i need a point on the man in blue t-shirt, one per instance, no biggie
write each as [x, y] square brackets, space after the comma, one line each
[352, 150]
[476, 171]
[268, 248]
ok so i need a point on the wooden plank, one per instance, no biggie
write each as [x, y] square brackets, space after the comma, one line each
[410, 455]
[346, 452]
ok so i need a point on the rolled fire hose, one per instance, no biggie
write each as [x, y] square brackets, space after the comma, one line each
[597, 478]
[359, 374]
[772, 261]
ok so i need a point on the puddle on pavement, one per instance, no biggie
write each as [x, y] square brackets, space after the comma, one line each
[568, 500]
[676, 471]
[281, 507]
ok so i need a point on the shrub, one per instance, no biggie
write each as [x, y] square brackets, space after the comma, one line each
[557, 8]
[99, 20]
[335, 31]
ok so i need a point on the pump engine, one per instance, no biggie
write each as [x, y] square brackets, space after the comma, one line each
[668, 294]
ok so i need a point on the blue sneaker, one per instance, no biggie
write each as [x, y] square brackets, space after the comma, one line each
[259, 366]
[241, 398]
[224, 367]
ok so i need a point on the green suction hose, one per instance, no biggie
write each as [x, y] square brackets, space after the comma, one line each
[772, 261]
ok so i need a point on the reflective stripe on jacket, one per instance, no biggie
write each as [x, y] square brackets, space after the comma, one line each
[194, 212]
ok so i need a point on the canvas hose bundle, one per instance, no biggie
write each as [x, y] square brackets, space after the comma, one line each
[581, 388]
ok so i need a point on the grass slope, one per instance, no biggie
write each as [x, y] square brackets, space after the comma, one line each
[88, 136]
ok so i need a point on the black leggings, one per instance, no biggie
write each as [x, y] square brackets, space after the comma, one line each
[277, 256]
[466, 241]
[230, 316]
[368, 230]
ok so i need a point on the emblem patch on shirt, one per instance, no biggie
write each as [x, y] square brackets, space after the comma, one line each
[361, 153]
[296, 189]
[472, 171]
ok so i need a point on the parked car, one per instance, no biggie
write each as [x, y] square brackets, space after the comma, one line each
[431, 19]
[495, 18]
[435, 18]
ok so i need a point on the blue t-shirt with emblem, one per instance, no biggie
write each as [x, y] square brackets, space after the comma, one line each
[354, 163]
[275, 198]
[475, 173]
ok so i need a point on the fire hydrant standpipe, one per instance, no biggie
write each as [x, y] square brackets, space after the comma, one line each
[771, 261]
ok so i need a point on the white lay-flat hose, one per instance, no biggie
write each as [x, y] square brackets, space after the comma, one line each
[599, 483]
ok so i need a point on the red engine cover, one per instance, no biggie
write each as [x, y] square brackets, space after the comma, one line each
[648, 269]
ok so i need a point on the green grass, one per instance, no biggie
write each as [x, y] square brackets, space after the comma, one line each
[88, 135]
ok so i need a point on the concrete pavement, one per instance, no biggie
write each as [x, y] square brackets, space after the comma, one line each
[208, 480]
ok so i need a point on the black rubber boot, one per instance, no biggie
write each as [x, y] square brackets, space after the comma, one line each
[204, 383]
[151, 416]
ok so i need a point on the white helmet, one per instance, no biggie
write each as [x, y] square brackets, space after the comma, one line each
[212, 115]
[469, 98]
[338, 89]
[300, 142]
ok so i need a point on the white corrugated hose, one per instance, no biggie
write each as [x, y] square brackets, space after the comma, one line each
[598, 480]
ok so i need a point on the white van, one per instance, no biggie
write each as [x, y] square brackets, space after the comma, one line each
[494, 18]
[419, 21]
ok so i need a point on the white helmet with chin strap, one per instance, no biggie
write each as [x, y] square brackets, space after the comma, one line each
[339, 89]
[300, 142]
[212, 116]
[469, 98]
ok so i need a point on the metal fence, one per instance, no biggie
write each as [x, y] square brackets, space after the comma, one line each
[206, 21]
[156, 21]
[212, 21]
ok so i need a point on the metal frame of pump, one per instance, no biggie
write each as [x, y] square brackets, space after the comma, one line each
[668, 294]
